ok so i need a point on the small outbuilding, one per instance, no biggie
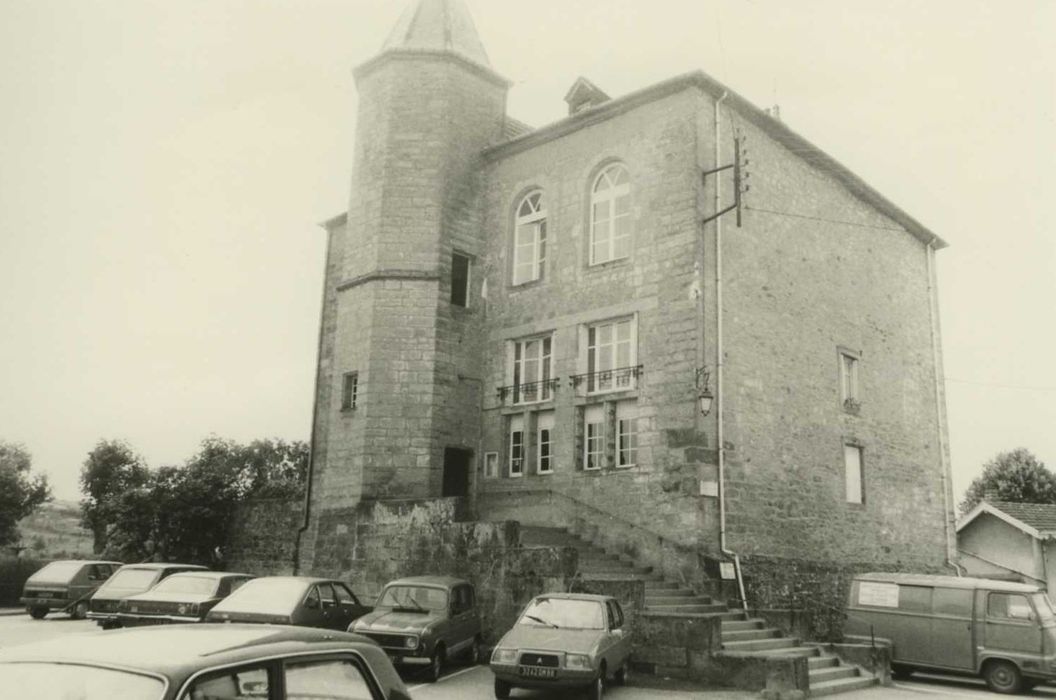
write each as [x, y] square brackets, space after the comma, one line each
[1013, 541]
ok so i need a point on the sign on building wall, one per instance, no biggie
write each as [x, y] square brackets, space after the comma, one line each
[878, 595]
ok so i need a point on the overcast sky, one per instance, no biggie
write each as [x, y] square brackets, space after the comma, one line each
[163, 166]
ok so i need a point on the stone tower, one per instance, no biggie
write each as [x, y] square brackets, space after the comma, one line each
[398, 403]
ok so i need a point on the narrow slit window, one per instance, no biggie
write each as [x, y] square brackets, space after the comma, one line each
[516, 464]
[350, 391]
[852, 463]
[545, 443]
[460, 265]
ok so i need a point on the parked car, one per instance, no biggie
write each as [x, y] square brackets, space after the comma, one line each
[1002, 631]
[194, 662]
[425, 620]
[291, 600]
[185, 597]
[65, 585]
[130, 579]
[564, 640]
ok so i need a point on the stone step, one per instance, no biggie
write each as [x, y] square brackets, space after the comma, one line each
[843, 685]
[831, 673]
[615, 568]
[735, 625]
[761, 644]
[822, 662]
[744, 635]
[686, 608]
[622, 575]
[659, 584]
[675, 593]
[679, 600]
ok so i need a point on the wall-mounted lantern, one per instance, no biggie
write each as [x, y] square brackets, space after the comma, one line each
[704, 396]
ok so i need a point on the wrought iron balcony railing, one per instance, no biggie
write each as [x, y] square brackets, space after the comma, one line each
[618, 379]
[532, 392]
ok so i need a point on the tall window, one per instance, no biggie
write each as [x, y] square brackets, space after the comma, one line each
[532, 370]
[852, 463]
[593, 437]
[610, 356]
[491, 465]
[849, 395]
[626, 434]
[529, 240]
[610, 215]
[516, 445]
[545, 443]
[349, 391]
[459, 279]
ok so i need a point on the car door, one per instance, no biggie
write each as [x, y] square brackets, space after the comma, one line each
[257, 681]
[331, 613]
[345, 676]
[309, 613]
[348, 605]
[458, 622]
[623, 632]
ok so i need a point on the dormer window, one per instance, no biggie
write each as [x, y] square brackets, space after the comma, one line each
[583, 95]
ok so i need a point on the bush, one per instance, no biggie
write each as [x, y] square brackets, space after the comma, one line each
[13, 575]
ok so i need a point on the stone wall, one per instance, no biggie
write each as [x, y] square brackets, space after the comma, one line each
[263, 537]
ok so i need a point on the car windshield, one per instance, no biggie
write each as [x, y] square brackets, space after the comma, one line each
[413, 598]
[564, 612]
[278, 596]
[51, 681]
[56, 572]
[131, 579]
[187, 584]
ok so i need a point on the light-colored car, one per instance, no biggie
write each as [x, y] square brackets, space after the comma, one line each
[202, 662]
[425, 620]
[306, 601]
[65, 585]
[185, 597]
[564, 640]
[130, 579]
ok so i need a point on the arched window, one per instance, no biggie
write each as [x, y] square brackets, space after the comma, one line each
[610, 215]
[529, 239]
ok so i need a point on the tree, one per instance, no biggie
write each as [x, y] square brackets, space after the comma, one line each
[111, 470]
[20, 495]
[1017, 476]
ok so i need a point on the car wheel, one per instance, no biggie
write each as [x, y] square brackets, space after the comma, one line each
[109, 624]
[597, 688]
[502, 689]
[1002, 676]
[901, 671]
[473, 655]
[38, 613]
[622, 674]
[436, 664]
[79, 610]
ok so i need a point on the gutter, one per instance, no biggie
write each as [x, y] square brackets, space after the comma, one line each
[947, 476]
[315, 410]
[720, 364]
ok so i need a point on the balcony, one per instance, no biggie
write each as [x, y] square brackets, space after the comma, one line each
[532, 392]
[607, 380]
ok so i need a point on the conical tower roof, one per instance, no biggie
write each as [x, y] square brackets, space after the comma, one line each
[438, 25]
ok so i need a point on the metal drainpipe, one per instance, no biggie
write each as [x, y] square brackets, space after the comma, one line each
[719, 363]
[315, 412]
[947, 477]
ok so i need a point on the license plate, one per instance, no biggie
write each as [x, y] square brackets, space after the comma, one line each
[537, 672]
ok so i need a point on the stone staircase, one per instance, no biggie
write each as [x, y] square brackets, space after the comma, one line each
[741, 636]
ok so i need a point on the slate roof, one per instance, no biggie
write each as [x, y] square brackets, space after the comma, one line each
[438, 25]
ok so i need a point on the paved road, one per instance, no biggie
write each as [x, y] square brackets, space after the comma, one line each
[475, 683]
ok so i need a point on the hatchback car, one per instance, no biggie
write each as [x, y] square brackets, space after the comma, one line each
[564, 640]
[66, 586]
[198, 662]
[291, 600]
[185, 597]
[129, 580]
[425, 620]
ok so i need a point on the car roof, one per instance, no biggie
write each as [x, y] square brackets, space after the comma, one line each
[576, 596]
[442, 581]
[170, 649]
[306, 580]
[948, 582]
[83, 562]
[209, 574]
[158, 566]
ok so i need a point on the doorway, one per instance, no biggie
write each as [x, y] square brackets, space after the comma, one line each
[456, 471]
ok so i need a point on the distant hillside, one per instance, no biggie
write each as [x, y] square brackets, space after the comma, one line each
[55, 531]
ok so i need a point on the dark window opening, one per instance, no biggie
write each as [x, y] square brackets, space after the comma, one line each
[459, 279]
[350, 391]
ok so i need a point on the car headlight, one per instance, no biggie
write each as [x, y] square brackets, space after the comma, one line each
[181, 609]
[411, 642]
[579, 662]
[504, 656]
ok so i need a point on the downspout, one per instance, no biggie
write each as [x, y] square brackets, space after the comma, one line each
[720, 364]
[947, 476]
[315, 414]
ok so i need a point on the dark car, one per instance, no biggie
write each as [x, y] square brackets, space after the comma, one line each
[425, 620]
[129, 580]
[563, 640]
[185, 597]
[65, 585]
[196, 662]
[291, 600]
